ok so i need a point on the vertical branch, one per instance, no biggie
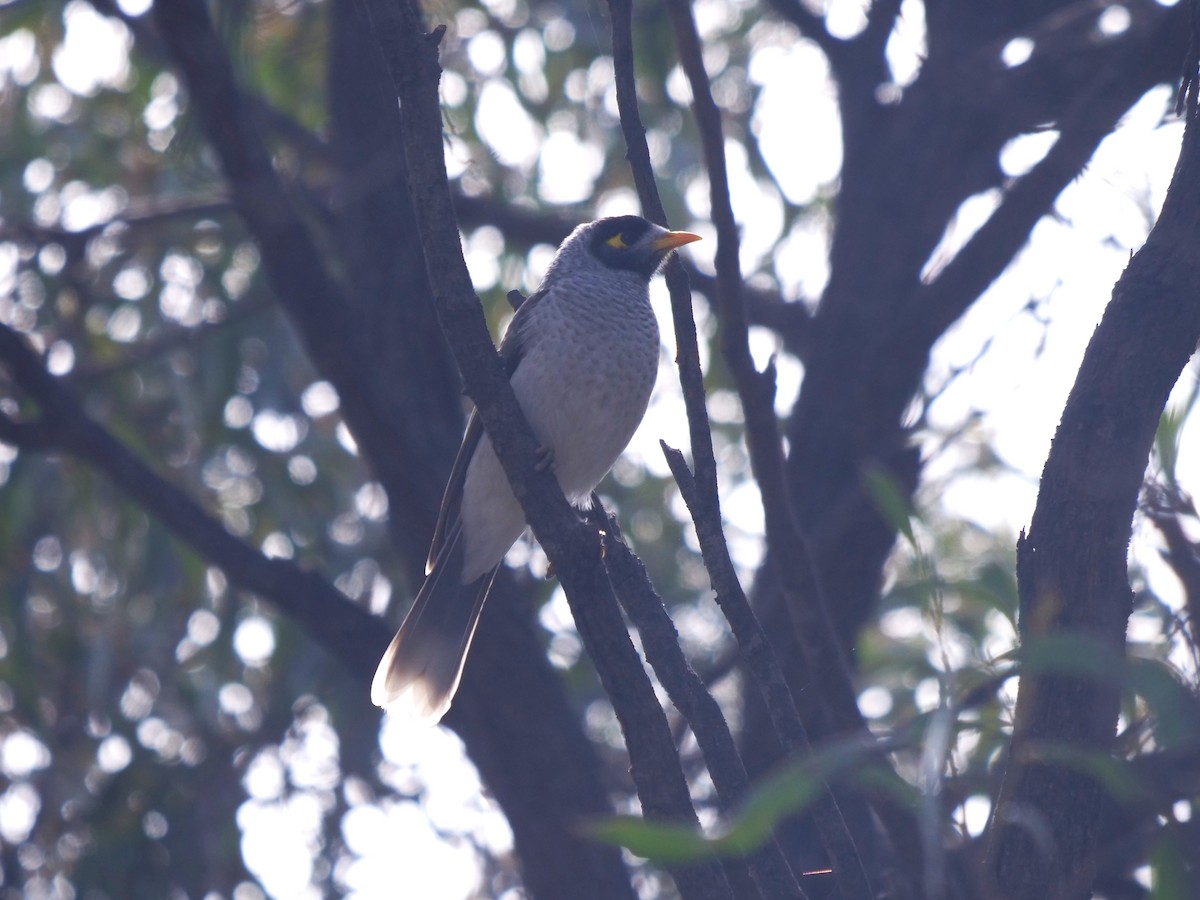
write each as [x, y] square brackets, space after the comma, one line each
[327, 322]
[788, 552]
[757, 392]
[700, 491]
[760, 660]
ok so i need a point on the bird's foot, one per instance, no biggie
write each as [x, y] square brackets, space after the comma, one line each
[545, 459]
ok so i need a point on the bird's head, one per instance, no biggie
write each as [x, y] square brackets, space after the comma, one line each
[630, 243]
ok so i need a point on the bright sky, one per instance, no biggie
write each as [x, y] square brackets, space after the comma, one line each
[1018, 387]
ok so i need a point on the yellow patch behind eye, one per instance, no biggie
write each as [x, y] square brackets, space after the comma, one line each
[616, 241]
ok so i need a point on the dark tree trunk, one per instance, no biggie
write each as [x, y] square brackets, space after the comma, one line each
[1072, 565]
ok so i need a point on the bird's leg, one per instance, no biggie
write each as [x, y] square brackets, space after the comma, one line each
[545, 459]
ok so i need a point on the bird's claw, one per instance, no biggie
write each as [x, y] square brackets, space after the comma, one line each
[545, 459]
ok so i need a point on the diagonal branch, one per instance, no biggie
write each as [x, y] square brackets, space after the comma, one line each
[339, 339]
[329, 324]
[571, 544]
[344, 628]
[757, 392]
[1135, 63]
[936, 306]
[660, 642]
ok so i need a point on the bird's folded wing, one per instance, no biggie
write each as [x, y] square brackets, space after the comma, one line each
[512, 349]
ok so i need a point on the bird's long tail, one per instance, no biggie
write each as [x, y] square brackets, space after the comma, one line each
[420, 671]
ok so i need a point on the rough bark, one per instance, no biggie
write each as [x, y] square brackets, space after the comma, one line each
[1072, 564]
[907, 167]
[572, 544]
[871, 336]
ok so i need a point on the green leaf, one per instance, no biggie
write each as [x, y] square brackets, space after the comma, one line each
[789, 790]
[892, 503]
[661, 841]
[1176, 710]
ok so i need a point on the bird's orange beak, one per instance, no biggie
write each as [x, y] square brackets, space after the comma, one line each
[673, 239]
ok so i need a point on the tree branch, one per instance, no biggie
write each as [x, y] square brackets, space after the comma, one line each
[1072, 569]
[881, 19]
[572, 545]
[660, 642]
[788, 551]
[338, 337]
[331, 330]
[935, 306]
[145, 213]
[345, 629]
[757, 390]
[700, 491]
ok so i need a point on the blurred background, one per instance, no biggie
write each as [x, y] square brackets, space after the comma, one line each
[167, 733]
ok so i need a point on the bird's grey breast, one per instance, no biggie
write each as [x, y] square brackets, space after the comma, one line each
[590, 356]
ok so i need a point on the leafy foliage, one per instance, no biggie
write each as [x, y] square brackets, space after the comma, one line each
[158, 727]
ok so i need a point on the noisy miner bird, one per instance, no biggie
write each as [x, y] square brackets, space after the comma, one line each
[582, 355]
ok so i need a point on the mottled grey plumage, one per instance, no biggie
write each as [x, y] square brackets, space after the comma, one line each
[582, 354]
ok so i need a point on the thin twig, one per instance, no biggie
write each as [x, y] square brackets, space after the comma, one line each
[788, 552]
[660, 642]
[757, 392]
[700, 491]
[142, 213]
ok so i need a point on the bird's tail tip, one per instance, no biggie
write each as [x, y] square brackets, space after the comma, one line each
[419, 697]
[420, 671]
[414, 704]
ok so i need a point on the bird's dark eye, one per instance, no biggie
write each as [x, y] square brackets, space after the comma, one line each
[621, 243]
